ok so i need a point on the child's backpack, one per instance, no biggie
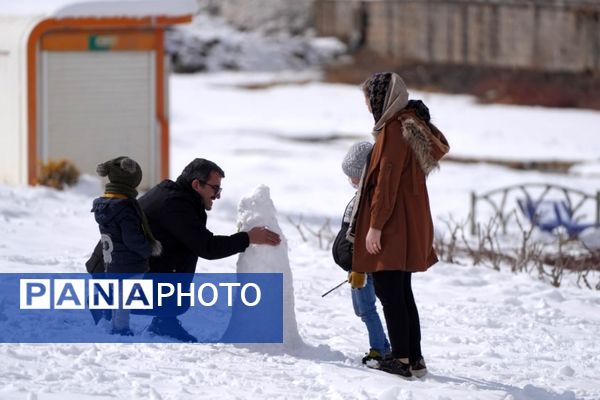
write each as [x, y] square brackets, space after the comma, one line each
[342, 249]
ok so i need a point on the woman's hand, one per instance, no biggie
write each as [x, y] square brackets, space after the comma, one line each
[373, 241]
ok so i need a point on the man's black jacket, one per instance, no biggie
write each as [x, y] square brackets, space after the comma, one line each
[178, 220]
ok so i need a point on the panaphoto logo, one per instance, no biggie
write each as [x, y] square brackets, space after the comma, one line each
[133, 294]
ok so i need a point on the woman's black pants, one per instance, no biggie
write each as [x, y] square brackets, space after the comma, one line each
[393, 288]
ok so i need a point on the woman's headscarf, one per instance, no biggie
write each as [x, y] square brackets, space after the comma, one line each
[387, 94]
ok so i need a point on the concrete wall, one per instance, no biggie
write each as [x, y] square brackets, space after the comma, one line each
[542, 35]
[268, 15]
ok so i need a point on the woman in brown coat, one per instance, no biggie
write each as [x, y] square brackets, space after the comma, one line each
[393, 228]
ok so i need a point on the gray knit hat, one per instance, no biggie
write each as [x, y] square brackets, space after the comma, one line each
[356, 159]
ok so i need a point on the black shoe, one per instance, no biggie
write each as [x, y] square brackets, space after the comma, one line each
[396, 367]
[418, 368]
[172, 328]
[122, 332]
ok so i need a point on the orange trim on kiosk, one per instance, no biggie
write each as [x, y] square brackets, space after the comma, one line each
[91, 24]
[160, 104]
[97, 40]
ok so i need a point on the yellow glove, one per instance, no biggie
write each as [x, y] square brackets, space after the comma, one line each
[357, 280]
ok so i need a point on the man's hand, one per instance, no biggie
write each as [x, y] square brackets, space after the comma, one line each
[261, 235]
[357, 280]
[373, 241]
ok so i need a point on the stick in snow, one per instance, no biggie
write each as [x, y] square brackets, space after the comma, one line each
[332, 289]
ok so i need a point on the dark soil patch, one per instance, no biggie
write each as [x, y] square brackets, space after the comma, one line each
[552, 166]
[488, 84]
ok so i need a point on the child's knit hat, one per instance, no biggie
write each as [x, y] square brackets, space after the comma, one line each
[356, 159]
[124, 175]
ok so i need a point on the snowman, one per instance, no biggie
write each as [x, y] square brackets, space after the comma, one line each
[258, 209]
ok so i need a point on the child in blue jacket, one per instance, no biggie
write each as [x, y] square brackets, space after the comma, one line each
[127, 241]
[363, 291]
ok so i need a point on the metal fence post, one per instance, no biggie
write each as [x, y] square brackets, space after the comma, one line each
[598, 207]
[472, 214]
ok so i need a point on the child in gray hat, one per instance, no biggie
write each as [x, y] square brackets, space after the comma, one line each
[363, 291]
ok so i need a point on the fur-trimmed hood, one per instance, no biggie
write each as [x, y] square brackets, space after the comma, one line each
[425, 139]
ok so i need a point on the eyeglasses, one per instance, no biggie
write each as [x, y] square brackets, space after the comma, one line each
[218, 189]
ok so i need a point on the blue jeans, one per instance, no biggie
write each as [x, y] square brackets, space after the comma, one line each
[363, 301]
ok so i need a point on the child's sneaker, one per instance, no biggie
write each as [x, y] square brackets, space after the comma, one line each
[418, 368]
[372, 359]
[396, 367]
[122, 332]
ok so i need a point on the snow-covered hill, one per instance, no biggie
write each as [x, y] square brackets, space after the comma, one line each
[210, 43]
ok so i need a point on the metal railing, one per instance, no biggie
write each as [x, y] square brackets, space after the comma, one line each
[503, 200]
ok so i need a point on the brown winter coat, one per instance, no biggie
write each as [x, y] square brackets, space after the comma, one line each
[394, 196]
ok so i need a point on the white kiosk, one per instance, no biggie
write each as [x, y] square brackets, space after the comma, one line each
[85, 81]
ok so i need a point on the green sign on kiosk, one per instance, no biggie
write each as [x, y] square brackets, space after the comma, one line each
[101, 42]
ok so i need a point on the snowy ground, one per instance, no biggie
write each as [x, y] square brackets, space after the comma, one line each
[486, 334]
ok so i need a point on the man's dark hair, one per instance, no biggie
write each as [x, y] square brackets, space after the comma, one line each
[200, 169]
